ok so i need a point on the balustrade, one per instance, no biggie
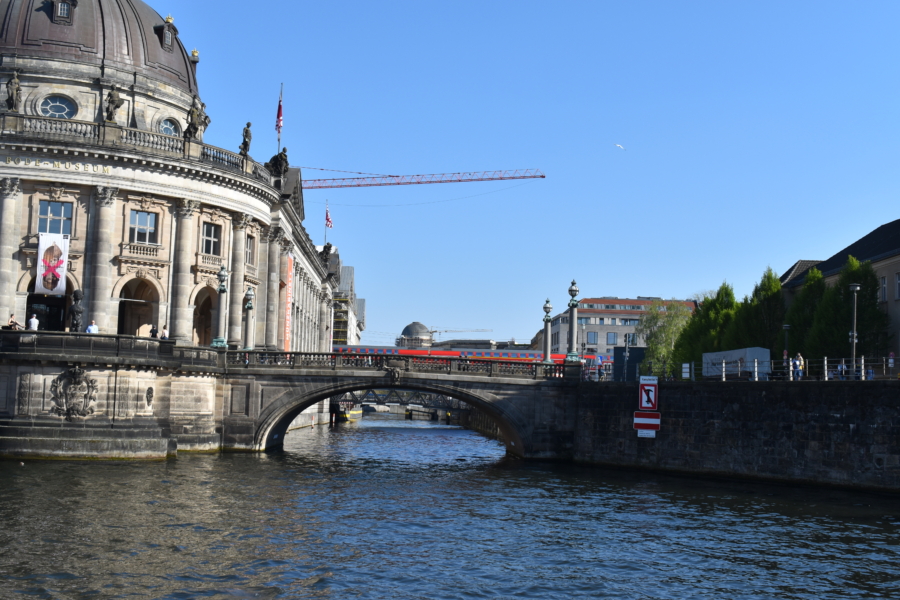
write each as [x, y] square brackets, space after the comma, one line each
[156, 141]
[142, 250]
[223, 158]
[61, 127]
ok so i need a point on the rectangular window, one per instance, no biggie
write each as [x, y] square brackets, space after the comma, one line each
[592, 337]
[584, 320]
[143, 228]
[611, 338]
[55, 217]
[212, 236]
[631, 339]
[612, 321]
[884, 289]
[251, 250]
[168, 38]
[630, 321]
[63, 9]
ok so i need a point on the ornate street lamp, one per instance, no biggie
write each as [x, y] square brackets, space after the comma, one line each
[854, 287]
[572, 353]
[248, 323]
[547, 319]
[219, 340]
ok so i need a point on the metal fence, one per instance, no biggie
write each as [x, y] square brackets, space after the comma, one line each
[823, 369]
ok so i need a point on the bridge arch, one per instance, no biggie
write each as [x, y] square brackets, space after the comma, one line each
[274, 420]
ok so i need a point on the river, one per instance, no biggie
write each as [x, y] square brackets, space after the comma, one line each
[389, 508]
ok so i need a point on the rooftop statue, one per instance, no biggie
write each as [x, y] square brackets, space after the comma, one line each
[197, 120]
[13, 93]
[278, 164]
[245, 144]
[113, 103]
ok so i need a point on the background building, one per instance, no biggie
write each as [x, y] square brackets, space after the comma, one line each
[349, 311]
[102, 152]
[415, 335]
[603, 324]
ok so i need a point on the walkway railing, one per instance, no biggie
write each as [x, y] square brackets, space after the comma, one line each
[391, 363]
[823, 369]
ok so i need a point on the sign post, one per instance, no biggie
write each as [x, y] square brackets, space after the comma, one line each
[648, 392]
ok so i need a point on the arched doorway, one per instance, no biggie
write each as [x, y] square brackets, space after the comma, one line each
[138, 308]
[51, 311]
[204, 308]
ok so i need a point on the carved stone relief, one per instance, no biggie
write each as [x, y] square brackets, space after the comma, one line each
[73, 394]
[24, 394]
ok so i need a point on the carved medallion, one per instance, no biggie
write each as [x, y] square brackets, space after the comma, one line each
[73, 393]
[149, 396]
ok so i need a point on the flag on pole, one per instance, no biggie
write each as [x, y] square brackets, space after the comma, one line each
[328, 222]
[279, 120]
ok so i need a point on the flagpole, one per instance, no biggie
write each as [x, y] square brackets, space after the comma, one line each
[280, 98]
[326, 221]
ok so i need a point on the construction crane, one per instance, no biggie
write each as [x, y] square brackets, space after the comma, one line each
[434, 331]
[380, 180]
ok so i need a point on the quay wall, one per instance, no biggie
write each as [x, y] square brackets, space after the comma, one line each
[843, 433]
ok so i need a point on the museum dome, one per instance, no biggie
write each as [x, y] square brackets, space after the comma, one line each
[117, 35]
[415, 329]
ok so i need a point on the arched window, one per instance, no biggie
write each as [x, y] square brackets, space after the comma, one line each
[169, 127]
[58, 107]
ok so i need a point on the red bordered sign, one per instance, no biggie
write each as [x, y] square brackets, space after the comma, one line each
[646, 420]
[648, 393]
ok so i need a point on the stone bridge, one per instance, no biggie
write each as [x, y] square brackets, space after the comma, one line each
[96, 396]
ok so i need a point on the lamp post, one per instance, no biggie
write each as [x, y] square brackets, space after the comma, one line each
[583, 342]
[572, 352]
[219, 340]
[854, 287]
[248, 318]
[547, 319]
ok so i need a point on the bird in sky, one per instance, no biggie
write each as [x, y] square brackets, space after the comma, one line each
[620, 146]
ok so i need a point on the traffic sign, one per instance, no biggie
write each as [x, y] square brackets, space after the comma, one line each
[646, 420]
[648, 393]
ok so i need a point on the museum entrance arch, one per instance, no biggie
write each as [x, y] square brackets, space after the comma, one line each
[138, 308]
[205, 305]
[51, 311]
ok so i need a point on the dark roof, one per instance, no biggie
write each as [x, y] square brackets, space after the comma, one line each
[798, 270]
[882, 243]
[122, 34]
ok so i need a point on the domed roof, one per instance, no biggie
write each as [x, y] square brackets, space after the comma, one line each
[117, 34]
[415, 329]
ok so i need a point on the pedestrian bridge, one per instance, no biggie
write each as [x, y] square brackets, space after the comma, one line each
[88, 395]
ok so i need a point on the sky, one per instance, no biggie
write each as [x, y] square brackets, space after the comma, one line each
[755, 134]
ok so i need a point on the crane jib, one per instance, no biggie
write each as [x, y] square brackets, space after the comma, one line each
[316, 184]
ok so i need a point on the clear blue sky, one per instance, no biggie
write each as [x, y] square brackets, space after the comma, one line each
[756, 134]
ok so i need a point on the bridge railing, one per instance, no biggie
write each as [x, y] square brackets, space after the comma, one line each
[91, 346]
[385, 362]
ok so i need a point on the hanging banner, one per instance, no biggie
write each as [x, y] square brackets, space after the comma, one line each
[289, 303]
[52, 258]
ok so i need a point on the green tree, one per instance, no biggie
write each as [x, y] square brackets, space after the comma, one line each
[833, 319]
[758, 318]
[802, 312]
[705, 329]
[660, 327]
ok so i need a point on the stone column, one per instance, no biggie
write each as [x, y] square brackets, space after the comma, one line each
[276, 235]
[100, 290]
[9, 232]
[547, 334]
[283, 308]
[572, 354]
[239, 224]
[325, 323]
[181, 313]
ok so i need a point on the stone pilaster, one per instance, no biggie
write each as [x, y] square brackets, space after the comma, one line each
[283, 308]
[325, 323]
[100, 306]
[547, 334]
[182, 314]
[275, 237]
[239, 223]
[10, 195]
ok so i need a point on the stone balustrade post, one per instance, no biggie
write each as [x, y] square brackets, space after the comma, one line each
[101, 262]
[182, 314]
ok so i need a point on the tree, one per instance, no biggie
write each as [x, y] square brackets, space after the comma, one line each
[833, 319]
[660, 327]
[704, 330]
[758, 319]
[802, 312]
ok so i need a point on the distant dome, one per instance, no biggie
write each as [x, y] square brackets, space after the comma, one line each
[119, 35]
[415, 329]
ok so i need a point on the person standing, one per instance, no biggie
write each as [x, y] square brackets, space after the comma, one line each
[33, 323]
[799, 366]
[154, 332]
[92, 328]
[165, 333]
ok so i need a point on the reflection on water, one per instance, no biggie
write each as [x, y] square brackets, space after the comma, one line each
[399, 509]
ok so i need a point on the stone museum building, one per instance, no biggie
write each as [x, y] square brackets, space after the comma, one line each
[118, 220]
[102, 151]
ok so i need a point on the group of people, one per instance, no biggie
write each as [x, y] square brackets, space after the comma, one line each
[797, 367]
[34, 324]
